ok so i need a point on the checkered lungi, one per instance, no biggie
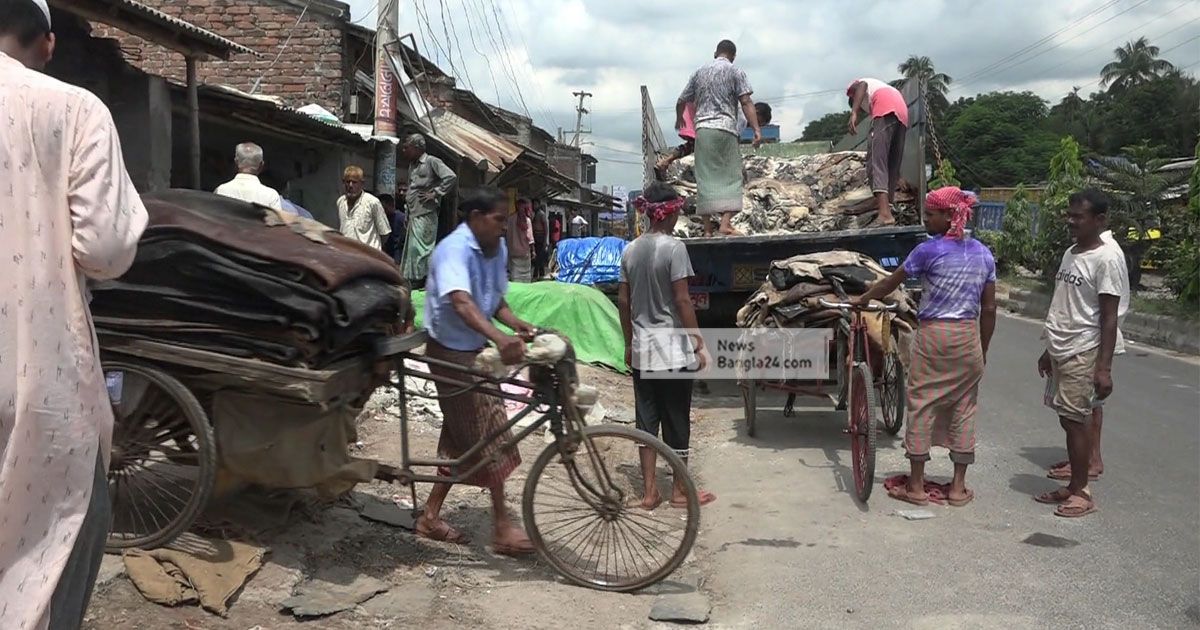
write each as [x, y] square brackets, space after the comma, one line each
[943, 389]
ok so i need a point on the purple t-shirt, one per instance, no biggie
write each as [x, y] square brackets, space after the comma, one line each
[953, 274]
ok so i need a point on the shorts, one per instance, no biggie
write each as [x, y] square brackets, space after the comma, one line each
[1073, 385]
[665, 404]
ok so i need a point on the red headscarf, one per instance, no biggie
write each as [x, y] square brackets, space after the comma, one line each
[956, 200]
[658, 211]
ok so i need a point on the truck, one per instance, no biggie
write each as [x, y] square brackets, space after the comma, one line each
[728, 269]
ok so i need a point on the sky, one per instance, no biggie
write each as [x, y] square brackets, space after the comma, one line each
[530, 55]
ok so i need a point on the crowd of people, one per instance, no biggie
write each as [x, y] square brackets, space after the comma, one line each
[79, 219]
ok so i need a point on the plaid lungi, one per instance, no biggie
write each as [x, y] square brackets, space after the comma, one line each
[718, 170]
[943, 389]
[469, 418]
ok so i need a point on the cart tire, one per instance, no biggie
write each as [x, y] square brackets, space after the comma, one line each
[893, 393]
[559, 518]
[164, 459]
[862, 426]
[750, 403]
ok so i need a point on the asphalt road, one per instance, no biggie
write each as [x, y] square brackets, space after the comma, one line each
[786, 546]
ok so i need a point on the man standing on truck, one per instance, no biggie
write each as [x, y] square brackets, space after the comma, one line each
[885, 147]
[957, 318]
[655, 308]
[717, 89]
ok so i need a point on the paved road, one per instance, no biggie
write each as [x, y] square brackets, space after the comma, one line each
[787, 547]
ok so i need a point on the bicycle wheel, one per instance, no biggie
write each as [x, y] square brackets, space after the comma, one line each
[607, 541]
[892, 393]
[842, 369]
[861, 414]
[164, 458]
[750, 404]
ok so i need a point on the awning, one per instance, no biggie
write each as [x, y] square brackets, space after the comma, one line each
[155, 26]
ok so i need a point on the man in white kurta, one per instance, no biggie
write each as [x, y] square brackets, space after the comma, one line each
[68, 212]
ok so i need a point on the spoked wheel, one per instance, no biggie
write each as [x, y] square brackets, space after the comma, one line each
[892, 393]
[585, 516]
[164, 458]
[862, 430]
[842, 371]
[750, 402]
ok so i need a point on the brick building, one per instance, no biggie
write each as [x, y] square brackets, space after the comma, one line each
[305, 53]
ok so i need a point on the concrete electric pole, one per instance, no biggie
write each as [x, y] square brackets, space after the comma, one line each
[387, 90]
[579, 112]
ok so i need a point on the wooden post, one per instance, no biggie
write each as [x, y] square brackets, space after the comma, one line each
[193, 97]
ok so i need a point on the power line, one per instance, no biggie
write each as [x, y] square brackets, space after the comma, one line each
[422, 13]
[1059, 44]
[977, 73]
[1181, 44]
[453, 33]
[514, 88]
[504, 55]
[529, 71]
[475, 44]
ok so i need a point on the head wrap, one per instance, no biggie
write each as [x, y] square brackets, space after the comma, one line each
[660, 210]
[44, 8]
[956, 200]
[850, 88]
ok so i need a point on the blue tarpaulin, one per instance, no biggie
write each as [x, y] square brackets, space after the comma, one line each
[589, 261]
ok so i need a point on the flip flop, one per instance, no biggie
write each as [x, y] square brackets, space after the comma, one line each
[441, 532]
[705, 497]
[1053, 497]
[900, 493]
[1075, 507]
[961, 502]
[1058, 474]
[513, 551]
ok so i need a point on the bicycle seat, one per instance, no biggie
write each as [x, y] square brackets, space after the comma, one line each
[399, 344]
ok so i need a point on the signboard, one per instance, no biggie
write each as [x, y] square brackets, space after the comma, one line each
[386, 88]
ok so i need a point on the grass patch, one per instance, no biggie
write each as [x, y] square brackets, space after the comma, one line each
[1024, 282]
[1169, 307]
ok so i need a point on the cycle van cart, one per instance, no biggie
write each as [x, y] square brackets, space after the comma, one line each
[581, 495]
[860, 378]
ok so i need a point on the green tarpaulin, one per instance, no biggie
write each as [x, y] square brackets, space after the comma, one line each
[583, 314]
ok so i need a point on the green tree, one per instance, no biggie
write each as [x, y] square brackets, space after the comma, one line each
[1138, 189]
[828, 127]
[1001, 139]
[936, 83]
[1160, 111]
[945, 175]
[1136, 63]
[1183, 261]
[1013, 245]
[1066, 176]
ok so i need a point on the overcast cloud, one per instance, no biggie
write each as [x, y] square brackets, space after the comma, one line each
[789, 49]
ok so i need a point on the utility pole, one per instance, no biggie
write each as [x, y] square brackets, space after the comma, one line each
[386, 91]
[579, 112]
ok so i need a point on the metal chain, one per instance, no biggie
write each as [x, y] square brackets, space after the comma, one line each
[937, 150]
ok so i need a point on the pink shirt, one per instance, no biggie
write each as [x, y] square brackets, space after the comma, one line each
[688, 130]
[885, 100]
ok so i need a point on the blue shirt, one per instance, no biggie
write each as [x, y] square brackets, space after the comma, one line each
[458, 264]
[953, 275]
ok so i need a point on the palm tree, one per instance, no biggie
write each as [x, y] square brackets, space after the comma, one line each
[936, 83]
[1137, 62]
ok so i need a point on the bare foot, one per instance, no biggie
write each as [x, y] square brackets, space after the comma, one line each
[959, 498]
[650, 501]
[1062, 471]
[903, 493]
[680, 500]
[729, 231]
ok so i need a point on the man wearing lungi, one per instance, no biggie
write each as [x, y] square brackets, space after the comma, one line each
[68, 214]
[468, 278]
[957, 317]
[1082, 334]
[885, 147]
[717, 89]
[429, 181]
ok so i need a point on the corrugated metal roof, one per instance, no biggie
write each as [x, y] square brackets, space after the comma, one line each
[153, 25]
[269, 113]
[475, 142]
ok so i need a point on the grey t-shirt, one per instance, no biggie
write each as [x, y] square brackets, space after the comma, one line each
[716, 89]
[649, 265]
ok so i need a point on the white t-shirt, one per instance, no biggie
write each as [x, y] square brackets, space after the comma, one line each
[1073, 322]
[578, 225]
[247, 187]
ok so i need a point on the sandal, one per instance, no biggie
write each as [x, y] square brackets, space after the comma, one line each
[441, 531]
[1075, 507]
[1063, 472]
[1054, 496]
[705, 497]
[961, 502]
[900, 493]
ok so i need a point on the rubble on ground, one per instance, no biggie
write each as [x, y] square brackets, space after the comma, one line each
[810, 193]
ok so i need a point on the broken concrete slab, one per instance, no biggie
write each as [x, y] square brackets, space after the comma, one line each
[275, 580]
[388, 513]
[335, 591]
[412, 601]
[111, 568]
[686, 608]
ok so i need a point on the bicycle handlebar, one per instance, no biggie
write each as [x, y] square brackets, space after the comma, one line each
[868, 307]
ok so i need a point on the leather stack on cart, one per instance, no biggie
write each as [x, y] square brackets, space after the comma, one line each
[791, 296]
[226, 276]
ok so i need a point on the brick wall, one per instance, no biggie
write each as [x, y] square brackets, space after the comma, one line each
[311, 69]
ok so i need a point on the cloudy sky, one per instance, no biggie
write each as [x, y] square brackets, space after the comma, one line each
[530, 55]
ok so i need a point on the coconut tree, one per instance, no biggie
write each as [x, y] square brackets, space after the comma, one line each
[936, 83]
[1136, 62]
